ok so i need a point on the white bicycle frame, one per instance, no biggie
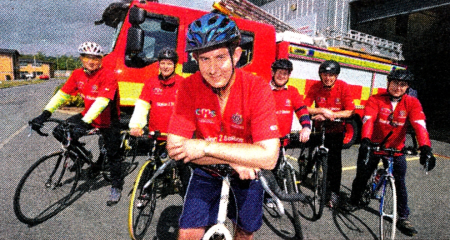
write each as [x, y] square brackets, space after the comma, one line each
[219, 227]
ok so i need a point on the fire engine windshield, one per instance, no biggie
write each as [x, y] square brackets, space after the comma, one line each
[159, 33]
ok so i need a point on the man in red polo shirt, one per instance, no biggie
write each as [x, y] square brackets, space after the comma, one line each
[332, 99]
[99, 89]
[288, 101]
[157, 97]
[232, 115]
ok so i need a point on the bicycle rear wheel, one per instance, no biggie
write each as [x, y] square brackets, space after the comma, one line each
[388, 209]
[46, 187]
[142, 202]
[319, 182]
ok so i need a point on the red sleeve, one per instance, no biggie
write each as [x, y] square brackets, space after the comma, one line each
[311, 95]
[108, 86]
[264, 119]
[182, 122]
[300, 107]
[417, 120]
[146, 93]
[347, 97]
[370, 116]
[70, 87]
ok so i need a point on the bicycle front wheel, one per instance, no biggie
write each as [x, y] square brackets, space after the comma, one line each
[319, 182]
[142, 202]
[293, 188]
[388, 209]
[45, 187]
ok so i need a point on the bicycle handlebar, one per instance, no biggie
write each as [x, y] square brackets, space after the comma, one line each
[268, 181]
[59, 121]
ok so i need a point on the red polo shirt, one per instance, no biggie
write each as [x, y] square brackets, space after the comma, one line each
[337, 98]
[249, 115]
[161, 95]
[102, 83]
[288, 101]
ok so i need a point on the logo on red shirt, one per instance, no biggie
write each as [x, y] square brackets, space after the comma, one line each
[337, 101]
[94, 88]
[205, 113]
[288, 103]
[157, 90]
[236, 118]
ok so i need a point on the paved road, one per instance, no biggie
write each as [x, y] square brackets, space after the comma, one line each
[88, 217]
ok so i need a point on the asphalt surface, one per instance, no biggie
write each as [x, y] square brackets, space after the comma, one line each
[88, 217]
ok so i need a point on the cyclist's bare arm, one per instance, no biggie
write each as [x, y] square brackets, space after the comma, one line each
[240, 154]
[322, 114]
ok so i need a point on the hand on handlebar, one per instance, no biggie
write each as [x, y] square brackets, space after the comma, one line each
[427, 158]
[79, 129]
[38, 122]
[136, 132]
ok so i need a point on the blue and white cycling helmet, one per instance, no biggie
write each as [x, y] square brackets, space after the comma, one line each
[211, 30]
[90, 48]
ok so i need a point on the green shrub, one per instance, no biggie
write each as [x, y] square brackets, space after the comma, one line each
[73, 101]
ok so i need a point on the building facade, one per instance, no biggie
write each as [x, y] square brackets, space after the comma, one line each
[9, 64]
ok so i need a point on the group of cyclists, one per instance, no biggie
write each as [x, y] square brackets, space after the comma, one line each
[224, 115]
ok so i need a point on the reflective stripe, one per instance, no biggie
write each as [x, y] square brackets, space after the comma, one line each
[56, 101]
[140, 113]
[96, 108]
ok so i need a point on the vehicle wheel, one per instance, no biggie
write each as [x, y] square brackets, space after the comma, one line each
[319, 179]
[142, 202]
[46, 187]
[388, 216]
[351, 133]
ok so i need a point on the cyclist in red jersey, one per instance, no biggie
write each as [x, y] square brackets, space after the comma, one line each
[332, 99]
[232, 115]
[157, 97]
[288, 101]
[99, 89]
[385, 113]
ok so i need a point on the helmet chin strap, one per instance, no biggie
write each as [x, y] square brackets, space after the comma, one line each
[90, 72]
[276, 85]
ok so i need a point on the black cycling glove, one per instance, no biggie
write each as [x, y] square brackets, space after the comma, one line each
[38, 121]
[79, 130]
[427, 158]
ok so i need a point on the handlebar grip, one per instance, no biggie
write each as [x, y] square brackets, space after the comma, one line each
[269, 178]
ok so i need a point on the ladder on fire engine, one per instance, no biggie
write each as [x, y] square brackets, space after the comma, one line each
[352, 40]
[247, 10]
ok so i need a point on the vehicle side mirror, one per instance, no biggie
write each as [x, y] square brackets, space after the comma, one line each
[137, 16]
[135, 40]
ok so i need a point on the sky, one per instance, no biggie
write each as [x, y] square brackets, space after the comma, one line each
[58, 27]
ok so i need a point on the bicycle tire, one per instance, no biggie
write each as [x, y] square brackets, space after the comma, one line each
[36, 199]
[139, 218]
[319, 177]
[388, 209]
[291, 188]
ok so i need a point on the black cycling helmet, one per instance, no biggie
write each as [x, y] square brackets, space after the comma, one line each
[282, 64]
[401, 75]
[168, 53]
[330, 66]
[210, 30]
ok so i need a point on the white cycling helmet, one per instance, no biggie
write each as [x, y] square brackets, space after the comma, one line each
[90, 48]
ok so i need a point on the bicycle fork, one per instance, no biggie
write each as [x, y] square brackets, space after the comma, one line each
[219, 228]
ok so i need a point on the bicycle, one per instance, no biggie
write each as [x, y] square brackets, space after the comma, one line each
[381, 186]
[286, 177]
[313, 161]
[47, 186]
[156, 179]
